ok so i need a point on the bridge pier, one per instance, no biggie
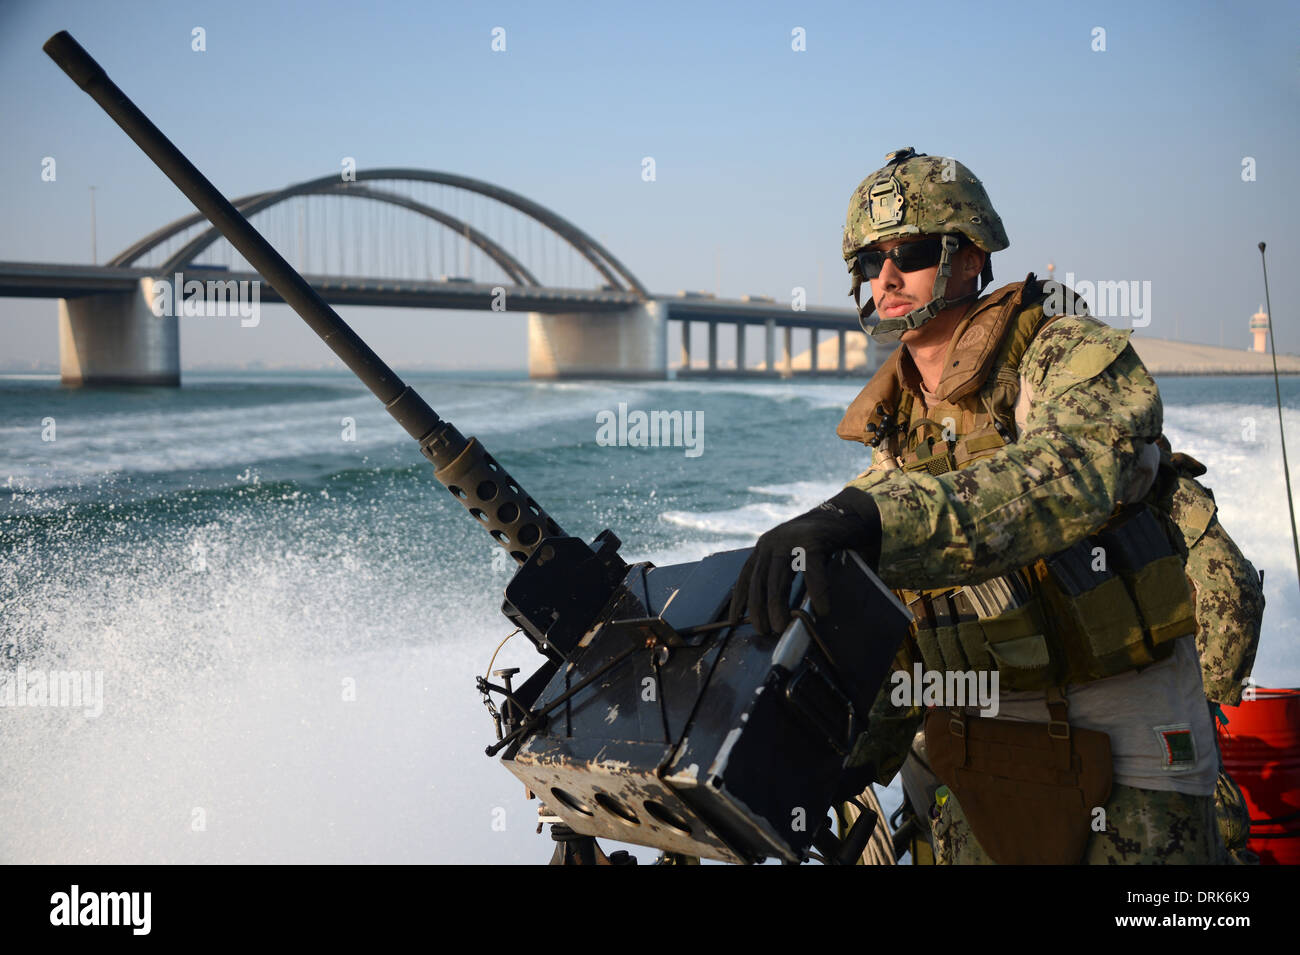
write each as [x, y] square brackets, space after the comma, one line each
[628, 344]
[114, 338]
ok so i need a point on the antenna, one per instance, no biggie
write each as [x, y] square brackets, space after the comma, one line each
[1277, 387]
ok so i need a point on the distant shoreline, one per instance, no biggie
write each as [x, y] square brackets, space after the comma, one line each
[1225, 374]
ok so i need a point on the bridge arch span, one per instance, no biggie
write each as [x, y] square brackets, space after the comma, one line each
[614, 272]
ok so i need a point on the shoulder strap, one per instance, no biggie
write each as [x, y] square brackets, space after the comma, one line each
[980, 337]
[1002, 389]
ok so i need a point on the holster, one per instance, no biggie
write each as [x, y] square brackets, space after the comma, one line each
[1028, 790]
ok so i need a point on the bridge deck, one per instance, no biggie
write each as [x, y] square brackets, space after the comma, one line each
[52, 280]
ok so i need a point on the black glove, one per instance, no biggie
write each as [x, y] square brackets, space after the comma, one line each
[849, 520]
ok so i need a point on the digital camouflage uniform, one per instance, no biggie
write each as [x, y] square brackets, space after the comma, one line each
[1089, 415]
[1093, 403]
[1143, 827]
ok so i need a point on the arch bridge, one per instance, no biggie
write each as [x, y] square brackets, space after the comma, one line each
[412, 238]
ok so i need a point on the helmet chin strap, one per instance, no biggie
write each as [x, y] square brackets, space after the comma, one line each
[892, 329]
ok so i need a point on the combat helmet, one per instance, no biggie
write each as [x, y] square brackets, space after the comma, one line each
[916, 194]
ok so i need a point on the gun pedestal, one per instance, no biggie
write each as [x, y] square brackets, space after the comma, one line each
[573, 848]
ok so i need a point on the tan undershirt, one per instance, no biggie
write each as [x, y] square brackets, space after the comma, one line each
[1142, 711]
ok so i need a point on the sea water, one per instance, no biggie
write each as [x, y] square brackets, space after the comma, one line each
[285, 611]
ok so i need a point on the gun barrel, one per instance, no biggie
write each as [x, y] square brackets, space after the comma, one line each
[462, 464]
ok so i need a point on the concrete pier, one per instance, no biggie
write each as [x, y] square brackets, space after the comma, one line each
[848, 353]
[1164, 357]
[631, 344]
[114, 338]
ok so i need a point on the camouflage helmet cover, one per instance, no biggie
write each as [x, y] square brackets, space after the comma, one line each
[916, 194]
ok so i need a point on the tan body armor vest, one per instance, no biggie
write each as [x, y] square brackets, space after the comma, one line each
[1113, 602]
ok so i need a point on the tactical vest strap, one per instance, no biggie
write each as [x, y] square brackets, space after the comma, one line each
[976, 421]
[1058, 727]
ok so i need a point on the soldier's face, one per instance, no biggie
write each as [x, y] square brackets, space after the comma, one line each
[897, 292]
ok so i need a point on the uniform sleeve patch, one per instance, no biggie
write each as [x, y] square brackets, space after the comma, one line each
[1177, 746]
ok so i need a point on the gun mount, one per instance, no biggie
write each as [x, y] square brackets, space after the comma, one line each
[653, 720]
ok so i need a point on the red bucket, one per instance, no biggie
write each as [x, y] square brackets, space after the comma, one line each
[1261, 752]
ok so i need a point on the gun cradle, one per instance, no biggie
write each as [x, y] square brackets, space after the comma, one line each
[716, 743]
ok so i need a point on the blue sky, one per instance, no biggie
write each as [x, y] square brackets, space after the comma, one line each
[1118, 165]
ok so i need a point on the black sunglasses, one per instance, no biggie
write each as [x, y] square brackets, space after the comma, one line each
[909, 257]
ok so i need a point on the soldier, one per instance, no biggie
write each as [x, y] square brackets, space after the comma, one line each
[1013, 503]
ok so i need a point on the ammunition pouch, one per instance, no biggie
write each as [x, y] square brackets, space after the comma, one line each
[1028, 790]
[1113, 602]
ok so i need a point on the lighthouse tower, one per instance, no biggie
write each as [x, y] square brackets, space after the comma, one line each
[1259, 326]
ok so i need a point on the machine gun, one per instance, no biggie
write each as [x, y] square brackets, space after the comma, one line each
[653, 719]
